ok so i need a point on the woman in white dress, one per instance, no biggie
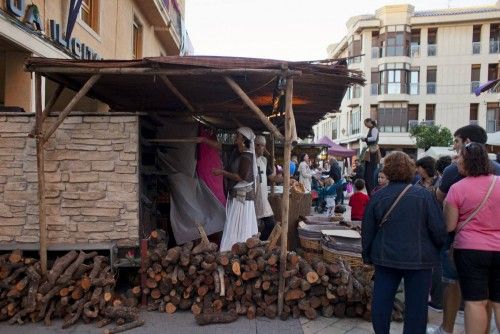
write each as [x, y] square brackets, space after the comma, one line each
[305, 173]
[241, 221]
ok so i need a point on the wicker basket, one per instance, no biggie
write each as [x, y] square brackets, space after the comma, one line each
[333, 256]
[311, 247]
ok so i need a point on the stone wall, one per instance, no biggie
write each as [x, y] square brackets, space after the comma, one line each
[91, 176]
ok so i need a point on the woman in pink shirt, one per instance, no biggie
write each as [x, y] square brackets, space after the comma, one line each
[477, 242]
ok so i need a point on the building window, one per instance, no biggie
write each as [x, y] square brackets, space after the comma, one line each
[375, 44]
[354, 49]
[354, 92]
[431, 79]
[355, 121]
[474, 111]
[432, 42]
[415, 43]
[392, 117]
[412, 115]
[492, 117]
[375, 78]
[476, 39]
[394, 78]
[430, 113]
[395, 41]
[136, 40]
[373, 111]
[495, 38]
[475, 74]
[334, 128]
[414, 81]
[89, 14]
[493, 74]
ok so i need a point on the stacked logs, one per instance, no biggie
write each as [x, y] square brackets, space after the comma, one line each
[78, 286]
[219, 287]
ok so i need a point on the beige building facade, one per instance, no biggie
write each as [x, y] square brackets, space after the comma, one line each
[101, 29]
[420, 66]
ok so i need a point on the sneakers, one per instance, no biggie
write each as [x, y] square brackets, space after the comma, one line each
[438, 330]
[435, 308]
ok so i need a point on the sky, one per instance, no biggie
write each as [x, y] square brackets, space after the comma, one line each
[282, 29]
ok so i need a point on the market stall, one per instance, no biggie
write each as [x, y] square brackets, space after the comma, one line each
[212, 92]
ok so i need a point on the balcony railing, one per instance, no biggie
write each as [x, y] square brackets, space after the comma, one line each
[492, 126]
[428, 122]
[473, 86]
[354, 60]
[474, 122]
[375, 52]
[412, 123]
[494, 46]
[414, 88]
[431, 88]
[374, 89]
[415, 51]
[393, 88]
[432, 49]
[476, 48]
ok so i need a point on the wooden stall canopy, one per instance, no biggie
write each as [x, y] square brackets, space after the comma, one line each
[157, 84]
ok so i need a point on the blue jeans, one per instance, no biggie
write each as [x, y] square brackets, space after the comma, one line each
[416, 286]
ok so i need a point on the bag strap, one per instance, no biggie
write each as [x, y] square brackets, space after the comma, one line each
[485, 199]
[386, 216]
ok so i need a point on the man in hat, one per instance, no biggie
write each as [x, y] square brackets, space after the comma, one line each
[263, 209]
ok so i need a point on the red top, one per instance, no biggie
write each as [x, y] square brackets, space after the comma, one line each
[358, 202]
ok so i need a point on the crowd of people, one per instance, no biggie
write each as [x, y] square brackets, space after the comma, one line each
[431, 223]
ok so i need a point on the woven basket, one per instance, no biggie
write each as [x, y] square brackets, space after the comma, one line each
[333, 256]
[312, 248]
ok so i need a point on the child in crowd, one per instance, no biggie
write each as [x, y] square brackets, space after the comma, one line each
[330, 192]
[382, 182]
[358, 200]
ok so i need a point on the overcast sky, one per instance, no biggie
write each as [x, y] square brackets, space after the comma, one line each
[282, 29]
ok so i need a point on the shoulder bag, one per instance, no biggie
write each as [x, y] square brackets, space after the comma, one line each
[386, 216]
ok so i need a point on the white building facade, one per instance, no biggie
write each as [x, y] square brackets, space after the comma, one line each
[419, 66]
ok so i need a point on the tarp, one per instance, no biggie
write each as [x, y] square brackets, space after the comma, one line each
[487, 86]
[494, 139]
[439, 151]
[336, 149]
[191, 200]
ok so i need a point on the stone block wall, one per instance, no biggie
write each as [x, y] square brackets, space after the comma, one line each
[91, 176]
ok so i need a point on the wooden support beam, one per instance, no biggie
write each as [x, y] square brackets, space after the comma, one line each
[81, 93]
[158, 71]
[241, 93]
[273, 164]
[285, 204]
[40, 157]
[48, 107]
[176, 92]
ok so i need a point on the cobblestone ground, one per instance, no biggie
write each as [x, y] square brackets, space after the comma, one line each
[360, 326]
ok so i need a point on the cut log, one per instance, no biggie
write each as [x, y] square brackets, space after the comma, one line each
[170, 308]
[216, 318]
[124, 327]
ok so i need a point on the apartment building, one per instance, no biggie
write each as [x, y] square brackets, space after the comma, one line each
[82, 29]
[420, 66]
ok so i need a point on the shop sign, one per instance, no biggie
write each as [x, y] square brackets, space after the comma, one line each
[30, 14]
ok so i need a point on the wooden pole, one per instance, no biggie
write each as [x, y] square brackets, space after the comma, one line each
[48, 107]
[157, 71]
[241, 93]
[273, 164]
[40, 157]
[81, 93]
[176, 92]
[286, 191]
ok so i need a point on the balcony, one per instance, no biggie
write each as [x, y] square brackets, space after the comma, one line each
[414, 88]
[415, 50]
[432, 50]
[375, 52]
[412, 123]
[473, 122]
[393, 88]
[473, 86]
[492, 126]
[428, 122]
[431, 88]
[494, 46]
[374, 89]
[476, 48]
[354, 60]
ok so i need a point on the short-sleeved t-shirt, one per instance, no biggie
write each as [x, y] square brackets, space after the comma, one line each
[482, 232]
[452, 176]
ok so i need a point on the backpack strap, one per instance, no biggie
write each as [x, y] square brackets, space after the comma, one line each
[386, 216]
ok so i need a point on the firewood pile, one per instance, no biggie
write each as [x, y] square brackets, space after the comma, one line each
[78, 286]
[218, 287]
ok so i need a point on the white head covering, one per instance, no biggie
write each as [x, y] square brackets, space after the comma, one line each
[260, 140]
[248, 134]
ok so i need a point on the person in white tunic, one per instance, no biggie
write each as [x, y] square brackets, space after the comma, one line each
[241, 221]
[305, 173]
[263, 209]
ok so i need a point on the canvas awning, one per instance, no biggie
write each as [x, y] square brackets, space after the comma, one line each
[336, 149]
[493, 139]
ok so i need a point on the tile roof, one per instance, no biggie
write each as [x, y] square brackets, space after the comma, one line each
[457, 11]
